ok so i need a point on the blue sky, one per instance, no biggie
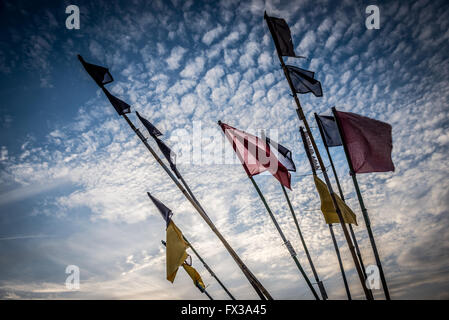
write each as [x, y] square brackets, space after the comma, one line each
[74, 176]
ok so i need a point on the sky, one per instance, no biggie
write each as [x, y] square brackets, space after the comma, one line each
[74, 177]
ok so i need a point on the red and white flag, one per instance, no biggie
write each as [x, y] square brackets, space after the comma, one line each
[255, 154]
[369, 142]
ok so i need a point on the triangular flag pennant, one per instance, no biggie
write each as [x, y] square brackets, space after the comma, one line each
[327, 207]
[368, 141]
[152, 130]
[166, 151]
[100, 74]
[120, 106]
[255, 154]
[165, 212]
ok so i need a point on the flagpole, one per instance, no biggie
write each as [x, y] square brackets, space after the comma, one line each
[302, 118]
[286, 242]
[340, 190]
[208, 268]
[315, 274]
[258, 287]
[362, 206]
[202, 290]
[331, 229]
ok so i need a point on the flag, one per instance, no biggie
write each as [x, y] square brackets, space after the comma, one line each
[166, 151]
[197, 281]
[168, 154]
[154, 132]
[331, 136]
[304, 82]
[176, 250]
[283, 154]
[281, 35]
[165, 212]
[120, 106]
[368, 141]
[327, 206]
[255, 154]
[100, 74]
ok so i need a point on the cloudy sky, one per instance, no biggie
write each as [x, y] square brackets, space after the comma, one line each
[74, 177]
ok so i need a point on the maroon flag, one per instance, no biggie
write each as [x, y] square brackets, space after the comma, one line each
[255, 154]
[368, 141]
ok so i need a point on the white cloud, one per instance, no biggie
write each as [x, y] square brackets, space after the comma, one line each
[176, 55]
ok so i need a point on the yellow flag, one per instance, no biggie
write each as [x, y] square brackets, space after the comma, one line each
[327, 207]
[194, 275]
[176, 250]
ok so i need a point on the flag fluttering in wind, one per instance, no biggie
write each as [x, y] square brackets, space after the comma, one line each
[100, 74]
[197, 281]
[255, 154]
[120, 106]
[166, 151]
[176, 245]
[304, 82]
[331, 136]
[152, 130]
[165, 212]
[281, 35]
[327, 207]
[368, 141]
[176, 250]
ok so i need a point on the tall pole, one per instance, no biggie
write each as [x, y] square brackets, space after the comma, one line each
[302, 118]
[202, 290]
[331, 230]
[209, 269]
[260, 290]
[362, 205]
[286, 242]
[315, 274]
[340, 191]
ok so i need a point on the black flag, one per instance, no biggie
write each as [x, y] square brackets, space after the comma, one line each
[283, 154]
[165, 212]
[120, 106]
[304, 82]
[100, 74]
[329, 126]
[168, 154]
[281, 35]
[154, 132]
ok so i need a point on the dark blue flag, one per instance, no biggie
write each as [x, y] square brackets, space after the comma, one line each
[304, 82]
[120, 106]
[152, 130]
[330, 131]
[165, 212]
[281, 35]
